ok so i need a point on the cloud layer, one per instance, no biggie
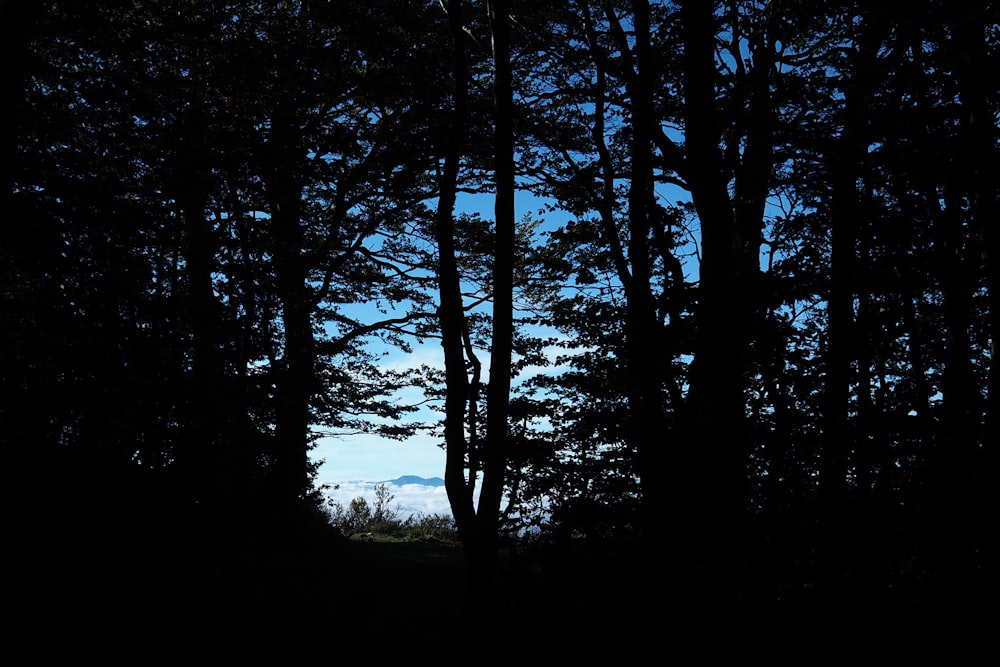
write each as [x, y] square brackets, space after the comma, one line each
[408, 499]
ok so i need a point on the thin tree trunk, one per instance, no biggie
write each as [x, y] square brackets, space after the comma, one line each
[976, 465]
[837, 440]
[450, 312]
[496, 446]
[478, 526]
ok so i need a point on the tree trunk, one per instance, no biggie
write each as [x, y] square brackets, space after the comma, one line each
[847, 157]
[711, 515]
[290, 470]
[496, 446]
[643, 335]
[975, 465]
[197, 452]
[478, 526]
[451, 314]
[16, 27]
[838, 439]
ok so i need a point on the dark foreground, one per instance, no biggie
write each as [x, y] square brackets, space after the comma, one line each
[384, 602]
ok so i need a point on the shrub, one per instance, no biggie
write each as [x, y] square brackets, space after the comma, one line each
[379, 519]
[430, 528]
[355, 518]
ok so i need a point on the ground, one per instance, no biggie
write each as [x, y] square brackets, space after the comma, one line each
[387, 600]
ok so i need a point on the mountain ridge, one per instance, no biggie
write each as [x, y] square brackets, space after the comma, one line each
[414, 479]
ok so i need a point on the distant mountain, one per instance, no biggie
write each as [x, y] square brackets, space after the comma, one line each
[413, 479]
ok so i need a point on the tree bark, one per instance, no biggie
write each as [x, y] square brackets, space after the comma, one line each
[496, 446]
[711, 513]
[848, 154]
[974, 466]
[838, 438]
[451, 314]
[644, 337]
[197, 452]
[290, 470]
[478, 526]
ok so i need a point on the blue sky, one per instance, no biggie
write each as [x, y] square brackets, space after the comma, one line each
[353, 464]
[372, 458]
[356, 462]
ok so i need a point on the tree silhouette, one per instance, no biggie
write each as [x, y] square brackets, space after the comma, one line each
[750, 327]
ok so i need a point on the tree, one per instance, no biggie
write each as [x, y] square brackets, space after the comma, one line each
[478, 525]
[200, 279]
[767, 259]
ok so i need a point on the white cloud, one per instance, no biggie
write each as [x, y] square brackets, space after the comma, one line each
[408, 499]
[423, 354]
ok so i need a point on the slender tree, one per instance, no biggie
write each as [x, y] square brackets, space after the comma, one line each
[451, 312]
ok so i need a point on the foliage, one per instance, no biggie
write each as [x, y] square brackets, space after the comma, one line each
[379, 520]
[430, 528]
[753, 312]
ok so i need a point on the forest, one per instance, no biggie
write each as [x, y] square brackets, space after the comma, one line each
[731, 372]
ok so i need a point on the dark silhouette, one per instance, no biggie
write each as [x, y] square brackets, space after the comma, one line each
[740, 390]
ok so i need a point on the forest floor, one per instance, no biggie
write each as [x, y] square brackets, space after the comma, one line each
[396, 601]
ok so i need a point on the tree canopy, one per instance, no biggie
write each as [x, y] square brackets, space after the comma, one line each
[749, 328]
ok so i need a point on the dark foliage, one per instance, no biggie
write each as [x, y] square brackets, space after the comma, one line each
[747, 393]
